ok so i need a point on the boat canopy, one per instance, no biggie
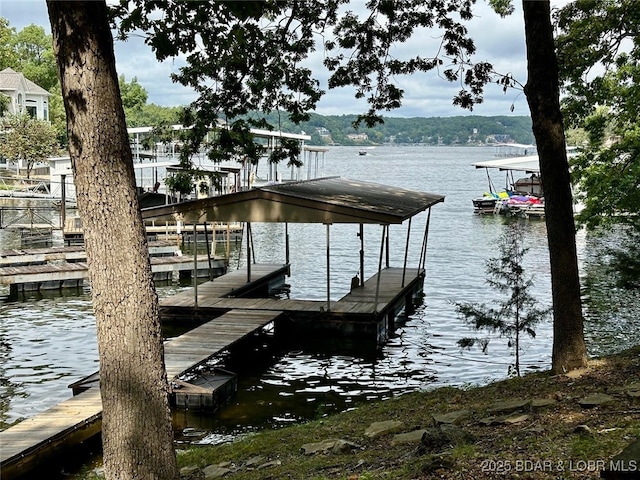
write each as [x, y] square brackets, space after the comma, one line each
[324, 200]
[528, 164]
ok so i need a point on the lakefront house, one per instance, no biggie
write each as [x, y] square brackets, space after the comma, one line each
[25, 96]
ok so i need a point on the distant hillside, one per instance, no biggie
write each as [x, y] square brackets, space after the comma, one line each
[462, 130]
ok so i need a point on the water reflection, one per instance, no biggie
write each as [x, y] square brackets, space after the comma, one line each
[48, 341]
[43, 333]
[281, 382]
[612, 313]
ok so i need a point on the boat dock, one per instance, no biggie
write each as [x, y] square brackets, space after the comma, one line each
[35, 440]
[239, 303]
[368, 310]
[66, 267]
[34, 256]
[73, 232]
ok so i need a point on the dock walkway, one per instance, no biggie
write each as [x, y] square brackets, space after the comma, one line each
[231, 284]
[360, 312]
[33, 256]
[33, 441]
[57, 275]
[195, 347]
[66, 267]
[217, 295]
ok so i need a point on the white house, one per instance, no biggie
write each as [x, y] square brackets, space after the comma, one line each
[358, 137]
[26, 96]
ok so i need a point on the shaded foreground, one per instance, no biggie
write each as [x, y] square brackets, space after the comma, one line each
[535, 427]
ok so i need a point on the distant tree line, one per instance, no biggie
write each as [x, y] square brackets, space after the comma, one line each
[458, 130]
[335, 129]
[30, 52]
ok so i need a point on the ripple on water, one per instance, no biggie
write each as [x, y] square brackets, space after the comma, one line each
[52, 342]
[48, 342]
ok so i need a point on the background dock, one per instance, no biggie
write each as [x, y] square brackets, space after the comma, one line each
[34, 441]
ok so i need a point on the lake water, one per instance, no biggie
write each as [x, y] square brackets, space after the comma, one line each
[48, 342]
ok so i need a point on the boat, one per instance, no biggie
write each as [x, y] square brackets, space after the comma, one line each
[365, 150]
[521, 196]
[510, 203]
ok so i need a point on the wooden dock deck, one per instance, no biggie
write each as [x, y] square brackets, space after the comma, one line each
[64, 274]
[33, 441]
[357, 311]
[200, 344]
[218, 295]
[13, 258]
[34, 256]
[232, 284]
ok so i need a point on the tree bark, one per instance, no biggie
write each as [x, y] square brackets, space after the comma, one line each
[136, 420]
[543, 95]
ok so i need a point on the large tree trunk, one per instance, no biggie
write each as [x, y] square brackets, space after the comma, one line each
[542, 91]
[136, 428]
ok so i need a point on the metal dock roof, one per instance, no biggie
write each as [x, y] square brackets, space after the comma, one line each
[324, 200]
[528, 164]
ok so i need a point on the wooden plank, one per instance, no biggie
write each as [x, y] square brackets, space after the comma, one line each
[42, 435]
[35, 438]
[211, 338]
[64, 271]
[225, 285]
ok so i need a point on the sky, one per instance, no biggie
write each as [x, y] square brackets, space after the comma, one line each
[499, 41]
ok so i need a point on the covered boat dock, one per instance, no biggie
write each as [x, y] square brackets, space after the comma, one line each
[371, 304]
[234, 312]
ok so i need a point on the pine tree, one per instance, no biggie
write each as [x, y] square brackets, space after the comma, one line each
[514, 315]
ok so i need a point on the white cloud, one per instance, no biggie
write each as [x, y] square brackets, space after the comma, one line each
[135, 59]
[499, 41]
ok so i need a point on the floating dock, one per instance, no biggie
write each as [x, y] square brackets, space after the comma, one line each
[37, 256]
[73, 232]
[242, 300]
[66, 267]
[34, 441]
[368, 310]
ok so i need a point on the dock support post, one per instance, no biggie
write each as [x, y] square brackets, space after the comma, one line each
[406, 253]
[227, 250]
[423, 251]
[387, 250]
[206, 242]
[328, 268]
[286, 243]
[195, 264]
[248, 252]
[63, 203]
[384, 232]
[361, 235]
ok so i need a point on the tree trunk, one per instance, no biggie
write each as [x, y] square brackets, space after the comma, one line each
[136, 420]
[542, 92]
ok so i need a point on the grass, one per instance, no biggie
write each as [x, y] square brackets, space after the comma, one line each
[549, 444]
